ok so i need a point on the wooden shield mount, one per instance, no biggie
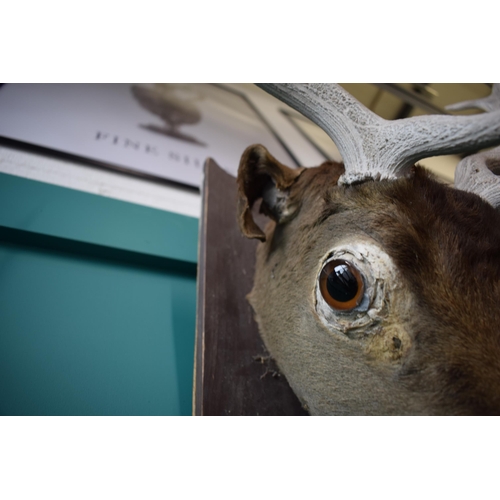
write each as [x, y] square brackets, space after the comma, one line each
[234, 374]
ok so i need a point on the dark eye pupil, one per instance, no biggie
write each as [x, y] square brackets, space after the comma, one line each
[341, 283]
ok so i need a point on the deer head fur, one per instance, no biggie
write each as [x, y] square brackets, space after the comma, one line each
[377, 289]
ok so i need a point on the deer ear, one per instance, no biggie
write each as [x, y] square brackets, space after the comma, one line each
[260, 175]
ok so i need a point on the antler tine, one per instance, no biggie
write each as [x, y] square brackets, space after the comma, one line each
[374, 148]
[474, 173]
[489, 103]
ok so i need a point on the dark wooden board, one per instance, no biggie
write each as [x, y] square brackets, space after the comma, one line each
[233, 372]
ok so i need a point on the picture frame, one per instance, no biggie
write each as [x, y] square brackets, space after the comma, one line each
[163, 132]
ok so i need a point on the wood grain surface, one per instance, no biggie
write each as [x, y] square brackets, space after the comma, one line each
[234, 374]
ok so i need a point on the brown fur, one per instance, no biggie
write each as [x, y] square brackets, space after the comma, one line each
[447, 245]
[439, 351]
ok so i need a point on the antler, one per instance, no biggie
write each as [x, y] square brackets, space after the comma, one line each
[374, 148]
[474, 173]
[489, 103]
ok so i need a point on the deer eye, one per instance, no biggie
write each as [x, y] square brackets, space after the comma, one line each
[341, 285]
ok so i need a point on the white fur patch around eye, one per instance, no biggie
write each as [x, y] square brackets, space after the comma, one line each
[380, 278]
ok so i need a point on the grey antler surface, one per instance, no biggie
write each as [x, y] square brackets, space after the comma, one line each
[489, 103]
[374, 148]
[474, 173]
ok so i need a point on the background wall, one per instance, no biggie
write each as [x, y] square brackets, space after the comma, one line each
[97, 304]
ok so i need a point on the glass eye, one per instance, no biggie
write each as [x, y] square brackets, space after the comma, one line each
[341, 285]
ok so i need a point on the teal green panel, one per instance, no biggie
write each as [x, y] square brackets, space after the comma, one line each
[83, 335]
[55, 211]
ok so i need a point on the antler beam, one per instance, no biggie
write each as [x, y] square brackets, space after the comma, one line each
[374, 148]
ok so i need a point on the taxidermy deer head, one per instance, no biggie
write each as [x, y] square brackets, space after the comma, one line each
[377, 289]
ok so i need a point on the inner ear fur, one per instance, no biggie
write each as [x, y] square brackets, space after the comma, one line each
[260, 175]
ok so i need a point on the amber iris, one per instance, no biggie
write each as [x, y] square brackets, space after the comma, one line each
[341, 285]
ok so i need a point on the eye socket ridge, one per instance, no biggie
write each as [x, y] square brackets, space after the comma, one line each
[341, 285]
